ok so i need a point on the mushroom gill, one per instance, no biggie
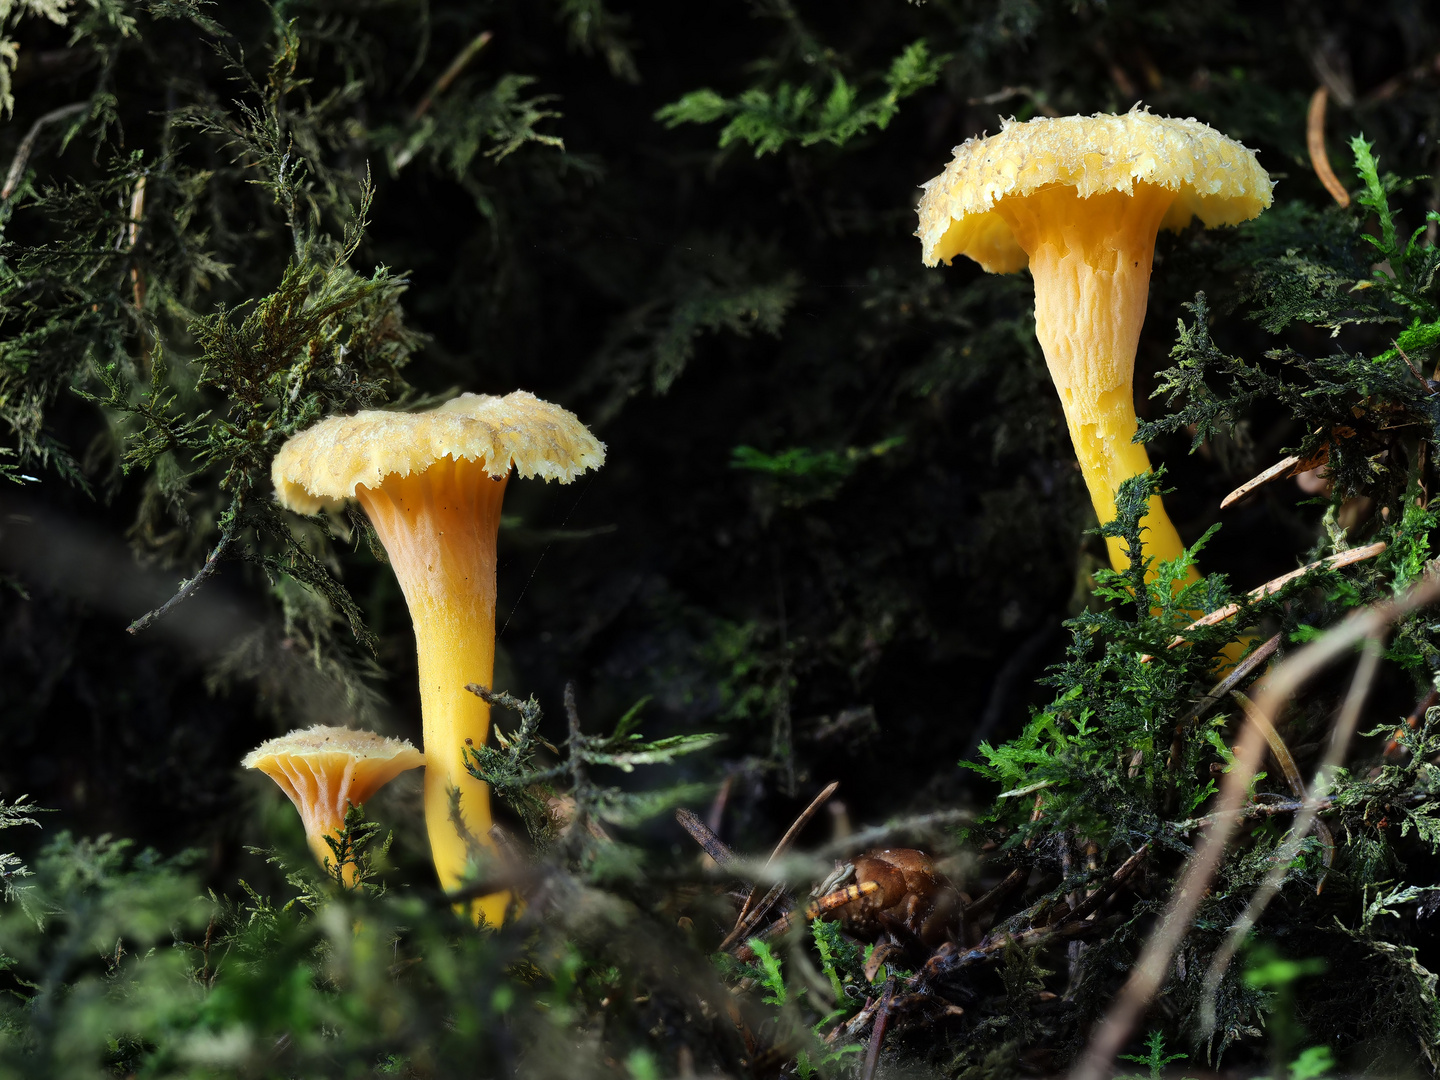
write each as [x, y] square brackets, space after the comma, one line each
[326, 770]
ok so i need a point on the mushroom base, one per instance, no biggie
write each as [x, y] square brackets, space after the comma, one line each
[1091, 259]
[439, 528]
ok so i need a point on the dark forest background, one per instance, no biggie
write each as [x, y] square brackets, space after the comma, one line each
[840, 521]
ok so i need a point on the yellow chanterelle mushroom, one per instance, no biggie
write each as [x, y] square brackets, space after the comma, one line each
[325, 771]
[432, 484]
[1080, 200]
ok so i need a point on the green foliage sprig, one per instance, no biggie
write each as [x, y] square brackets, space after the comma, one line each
[1155, 1058]
[768, 119]
[1350, 406]
[515, 773]
[15, 813]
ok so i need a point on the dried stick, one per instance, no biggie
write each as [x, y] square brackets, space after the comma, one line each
[750, 919]
[877, 1034]
[700, 832]
[1200, 870]
[800, 822]
[1339, 742]
[1280, 468]
[27, 144]
[1334, 562]
[1243, 671]
[451, 73]
[1278, 750]
[1315, 143]
[187, 587]
[785, 841]
[992, 899]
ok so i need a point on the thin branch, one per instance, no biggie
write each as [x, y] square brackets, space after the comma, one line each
[702, 835]
[451, 73]
[1242, 671]
[188, 587]
[752, 920]
[799, 823]
[785, 842]
[1337, 561]
[877, 1034]
[1278, 750]
[1339, 742]
[1315, 143]
[1282, 467]
[27, 144]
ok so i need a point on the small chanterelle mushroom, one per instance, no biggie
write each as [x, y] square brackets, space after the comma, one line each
[325, 771]
[432, 484]
[1080, 199]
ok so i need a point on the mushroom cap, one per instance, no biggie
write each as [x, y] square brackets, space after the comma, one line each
[329, 751]
[1215, 178]
[322, 466]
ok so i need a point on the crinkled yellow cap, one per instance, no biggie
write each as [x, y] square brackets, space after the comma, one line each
[374, 760]
[324, 464]
[334, 740]
[1215, 178]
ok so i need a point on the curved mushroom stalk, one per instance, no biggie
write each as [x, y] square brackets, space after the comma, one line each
[1091, 265]
[439, 528]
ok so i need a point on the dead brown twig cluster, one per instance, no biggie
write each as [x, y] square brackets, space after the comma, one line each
[1366, 626]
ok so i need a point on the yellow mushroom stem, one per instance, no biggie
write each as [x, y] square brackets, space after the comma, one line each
[1090, 258]
[439, 528]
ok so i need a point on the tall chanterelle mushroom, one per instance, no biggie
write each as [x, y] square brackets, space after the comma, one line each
[1081, 200]
[432, 484]
[325, 771]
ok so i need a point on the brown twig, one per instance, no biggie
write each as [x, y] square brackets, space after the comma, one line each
[1278, 750]
[1310, 808]
[1280, 468]
[1281, 753]
[800, 822]
[27, 144]
[751, 919]
[877, 1034]
[780, 848]
[1250, 810]
[701, 834]
[187, 587]
[950, 957]
[1124, 870]
[451, 73]
[1315, 143]
[1149, 972]
[1241, 672]
[1393, 745]
[137, 214]
[1334, 562]
[992, 898]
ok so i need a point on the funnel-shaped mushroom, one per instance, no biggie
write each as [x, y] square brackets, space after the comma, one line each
[1081, 200]
[432, 485]
[325, 770]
